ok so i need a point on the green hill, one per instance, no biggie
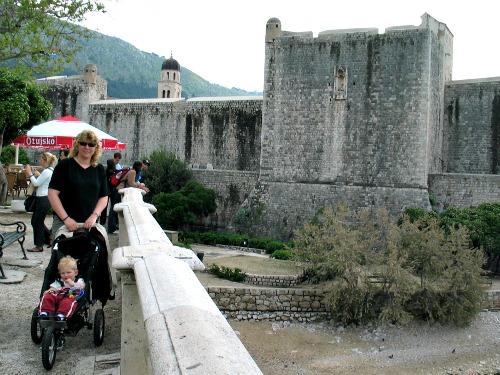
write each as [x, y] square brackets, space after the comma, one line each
[134, 74]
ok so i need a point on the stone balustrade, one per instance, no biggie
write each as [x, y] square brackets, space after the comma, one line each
[170, 325]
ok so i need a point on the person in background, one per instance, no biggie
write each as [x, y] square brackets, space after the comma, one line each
[145, 166]
[41, 234]
[129, 180]
[114, 198]
[63, 154]
[117, 157]
[78, 191]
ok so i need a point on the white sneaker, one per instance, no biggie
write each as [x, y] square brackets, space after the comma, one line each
[116, 232]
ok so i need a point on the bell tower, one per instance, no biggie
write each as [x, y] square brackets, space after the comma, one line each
[169, 85]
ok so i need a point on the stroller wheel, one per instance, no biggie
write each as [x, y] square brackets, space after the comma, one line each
[36, 330]
[99, 327]
[49, 348]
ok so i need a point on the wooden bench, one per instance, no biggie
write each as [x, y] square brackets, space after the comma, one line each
[7, 238]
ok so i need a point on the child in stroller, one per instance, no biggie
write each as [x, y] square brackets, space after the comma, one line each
[63, 294]
[89, 249]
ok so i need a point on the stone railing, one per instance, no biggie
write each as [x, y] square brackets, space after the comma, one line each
[170, 325]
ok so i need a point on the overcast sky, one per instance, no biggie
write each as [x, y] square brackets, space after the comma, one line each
[223, 40]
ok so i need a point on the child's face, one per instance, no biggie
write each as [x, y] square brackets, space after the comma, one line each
[67, 272]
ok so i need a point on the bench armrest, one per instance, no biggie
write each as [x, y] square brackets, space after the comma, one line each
[20, 228]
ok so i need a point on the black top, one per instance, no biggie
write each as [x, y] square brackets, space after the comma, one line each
[79, 188]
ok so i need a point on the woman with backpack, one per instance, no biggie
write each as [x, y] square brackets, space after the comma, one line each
[128, 180]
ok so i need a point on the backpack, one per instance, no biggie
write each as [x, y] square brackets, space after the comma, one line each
[116, 178]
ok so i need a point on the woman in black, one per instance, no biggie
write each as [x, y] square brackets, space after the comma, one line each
[78, 190]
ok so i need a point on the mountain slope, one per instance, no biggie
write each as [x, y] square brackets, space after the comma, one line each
[134, 74]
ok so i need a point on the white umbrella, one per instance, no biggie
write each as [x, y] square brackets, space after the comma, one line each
[60, 134]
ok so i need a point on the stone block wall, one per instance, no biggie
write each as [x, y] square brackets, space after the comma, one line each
[281, 207]
[277, 281]
[464, 190]
[223, 133]
[269, 304]
[232, 189]
[351, 116]
[472, 127]
[72, 96]
[318, 128]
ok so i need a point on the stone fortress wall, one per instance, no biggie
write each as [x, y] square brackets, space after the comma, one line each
[372, 120]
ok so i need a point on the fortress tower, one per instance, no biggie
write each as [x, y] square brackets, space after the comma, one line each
[273, 29]
[169, 85]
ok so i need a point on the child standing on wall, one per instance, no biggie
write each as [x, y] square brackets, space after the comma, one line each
[63, 294]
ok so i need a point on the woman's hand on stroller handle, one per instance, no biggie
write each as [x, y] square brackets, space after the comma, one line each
[73, 226]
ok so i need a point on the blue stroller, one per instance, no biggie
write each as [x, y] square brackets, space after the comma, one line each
[89, 248]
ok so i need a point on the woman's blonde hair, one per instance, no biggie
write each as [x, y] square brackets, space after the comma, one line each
[49, 158]
[87, 136]
[67, 261]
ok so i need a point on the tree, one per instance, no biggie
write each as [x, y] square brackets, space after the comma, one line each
[185, 206]
[8, 155]
[21, 107]
[39, 37]
[166, 174]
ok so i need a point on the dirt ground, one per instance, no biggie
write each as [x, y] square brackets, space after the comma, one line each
[278, 348]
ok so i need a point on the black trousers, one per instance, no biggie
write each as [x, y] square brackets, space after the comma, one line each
[41, 234]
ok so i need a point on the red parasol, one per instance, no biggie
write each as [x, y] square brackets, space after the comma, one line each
[60, 134]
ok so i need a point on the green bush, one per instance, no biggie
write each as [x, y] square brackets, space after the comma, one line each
[483, 223]
[413, 214]
[227, 273]
[166, 174]
[213, 238]
[282, 254]
[183, 207]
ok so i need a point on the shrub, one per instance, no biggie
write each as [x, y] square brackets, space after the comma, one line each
[282, 254]
[227, 273]
[166, 174]
[380, 270]
[183, 207]
[212, 238]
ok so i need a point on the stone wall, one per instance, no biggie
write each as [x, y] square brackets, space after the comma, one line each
[232, 189]
[269, 304]
[472, 136]
[280, 207]
[221, 132]
[72, 96]
[319, 128]
[464, 190]
[277, 281]
[272, 304]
